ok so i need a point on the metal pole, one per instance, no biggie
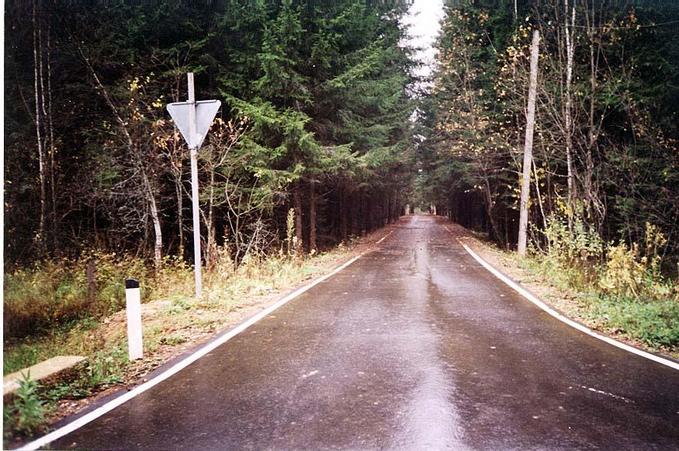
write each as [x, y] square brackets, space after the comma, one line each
[194, 187]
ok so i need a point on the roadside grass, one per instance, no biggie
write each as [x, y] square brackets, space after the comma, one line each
[616, 288]
[651, 320]
[173, 319]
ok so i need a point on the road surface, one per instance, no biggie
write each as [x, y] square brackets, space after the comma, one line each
[413, 346]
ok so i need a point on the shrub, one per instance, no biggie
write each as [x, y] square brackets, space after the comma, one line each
[624, 271]
[628, 273]
[574, 246]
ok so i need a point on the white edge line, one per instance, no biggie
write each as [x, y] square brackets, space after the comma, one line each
[93, 415]
[384, 237]
[525, 293]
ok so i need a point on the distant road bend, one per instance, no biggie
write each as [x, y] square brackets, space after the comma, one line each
[413, 346]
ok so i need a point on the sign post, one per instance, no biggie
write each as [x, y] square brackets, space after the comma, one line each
[193, 119]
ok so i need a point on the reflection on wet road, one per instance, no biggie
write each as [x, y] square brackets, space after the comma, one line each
[414, 346]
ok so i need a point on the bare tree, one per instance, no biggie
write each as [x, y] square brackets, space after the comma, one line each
[37, 78]
[568, 107]
[528, 145]
[215, 163]
[134, 151]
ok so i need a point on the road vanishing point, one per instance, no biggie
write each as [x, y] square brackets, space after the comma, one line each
[413, 346]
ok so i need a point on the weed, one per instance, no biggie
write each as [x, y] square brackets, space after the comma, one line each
[654, 323]
[106, 368]
[55, 293]
[173, 340]
[27, 414]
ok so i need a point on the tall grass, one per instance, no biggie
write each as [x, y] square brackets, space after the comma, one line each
[57, 293]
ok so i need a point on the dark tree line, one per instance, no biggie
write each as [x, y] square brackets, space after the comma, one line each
[606, 149]
[314, 123]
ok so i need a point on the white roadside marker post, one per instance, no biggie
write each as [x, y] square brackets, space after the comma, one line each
[193, 119]
[135, 344]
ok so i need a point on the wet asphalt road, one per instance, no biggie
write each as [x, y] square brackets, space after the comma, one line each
[414, 346]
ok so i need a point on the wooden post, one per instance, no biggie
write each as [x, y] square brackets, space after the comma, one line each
[528, 145]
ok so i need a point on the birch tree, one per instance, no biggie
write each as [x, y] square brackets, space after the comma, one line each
[528, 144]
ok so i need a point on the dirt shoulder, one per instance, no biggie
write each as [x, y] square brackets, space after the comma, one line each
[567, 302]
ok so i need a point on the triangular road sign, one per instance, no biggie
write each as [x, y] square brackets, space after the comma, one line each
[206, 110]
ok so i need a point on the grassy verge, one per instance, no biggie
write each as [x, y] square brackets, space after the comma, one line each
[173, 322]
[612, 288]
[644, 319]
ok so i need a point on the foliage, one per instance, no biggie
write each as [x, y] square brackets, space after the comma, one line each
[629, 272]
[315, 95]
[26, 415]
[605, 145]
[655, 323]
[621, 289]
[578, 247]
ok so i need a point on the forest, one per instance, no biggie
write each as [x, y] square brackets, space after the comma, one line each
[605, 154]
[572, 159]
[315, 121]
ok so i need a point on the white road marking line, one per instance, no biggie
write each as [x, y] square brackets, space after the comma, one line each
[601, 392]
[384, 237]
[525, 293]
[309, 374]
[93, 415]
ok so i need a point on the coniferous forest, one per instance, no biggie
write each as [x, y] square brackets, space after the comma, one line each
[314, 119]
[325, 132]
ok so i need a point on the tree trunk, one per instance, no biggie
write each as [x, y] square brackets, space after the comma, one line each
[344, 214]
[312, 216]
[568, 117]
[299, 232]
[528, 144]
[211, 248]
[155, 218]
[180, 216]
[37, 50]
[489, 210]
[52, 146]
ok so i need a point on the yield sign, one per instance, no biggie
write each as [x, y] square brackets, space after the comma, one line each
[206, 110]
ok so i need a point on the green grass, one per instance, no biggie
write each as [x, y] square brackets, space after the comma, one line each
[655, 323]
[650, 317]
[28, 412]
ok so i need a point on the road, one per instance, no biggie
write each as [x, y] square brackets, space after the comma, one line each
[413, 346]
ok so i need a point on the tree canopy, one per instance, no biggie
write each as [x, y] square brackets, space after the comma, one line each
[314, 118]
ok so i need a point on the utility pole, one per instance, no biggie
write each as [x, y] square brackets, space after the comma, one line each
[528, 144]
[193, 119]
